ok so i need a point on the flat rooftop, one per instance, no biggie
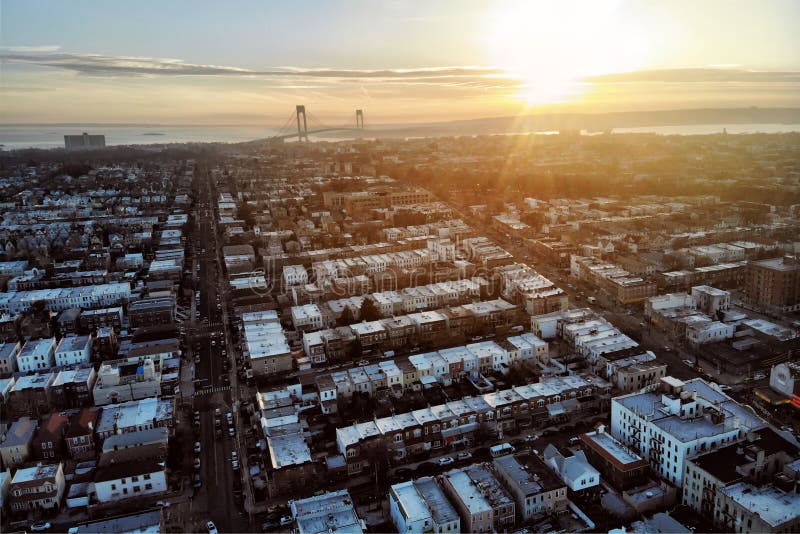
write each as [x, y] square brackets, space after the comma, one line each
[773, 505]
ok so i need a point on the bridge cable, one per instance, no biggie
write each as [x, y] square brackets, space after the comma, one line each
[286, 125]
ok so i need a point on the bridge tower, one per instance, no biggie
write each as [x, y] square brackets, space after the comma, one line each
[302, 132]
[360, 119]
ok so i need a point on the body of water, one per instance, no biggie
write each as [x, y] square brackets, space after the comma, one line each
[45, 136]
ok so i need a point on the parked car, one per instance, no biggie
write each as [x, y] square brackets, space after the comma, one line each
[464, 455]
[163, 504]
[197, 482]
[197, 447]
[286, 520]
[231, 431]
[212, 528]
[446, 460]
[196, 463]
[40, 526]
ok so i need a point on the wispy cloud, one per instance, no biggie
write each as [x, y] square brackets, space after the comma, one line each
[26, 48]
[700, 75]
[104, 65]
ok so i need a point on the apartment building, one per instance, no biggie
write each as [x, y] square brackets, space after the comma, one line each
[678, 421]
[774, 284]
[756, 459]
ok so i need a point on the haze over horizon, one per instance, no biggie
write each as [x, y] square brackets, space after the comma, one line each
[249, 63]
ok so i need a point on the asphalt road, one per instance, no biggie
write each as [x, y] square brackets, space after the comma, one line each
[215, 497]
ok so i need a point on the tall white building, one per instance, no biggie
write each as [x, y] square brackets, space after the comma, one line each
[294, 275]
[679, 420]
[710, 300]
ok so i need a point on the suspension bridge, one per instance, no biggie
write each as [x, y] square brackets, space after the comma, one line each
[303, 117]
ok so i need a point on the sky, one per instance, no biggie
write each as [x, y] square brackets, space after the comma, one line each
[251, 62]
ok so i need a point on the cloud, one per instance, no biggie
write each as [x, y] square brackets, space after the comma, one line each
[699, 75]
[102, 65]
[26, 48]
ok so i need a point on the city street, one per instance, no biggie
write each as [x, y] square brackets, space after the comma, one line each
[213, 391]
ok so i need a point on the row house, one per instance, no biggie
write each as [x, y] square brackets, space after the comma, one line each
[37, 355]
[40, 487]
[79, 436]
[455, 422]
[92, 320]
[31, 395]
[72, 388]
[48, 443]
[8, 357]
[73, 350]
[57, 300]
[430, 326]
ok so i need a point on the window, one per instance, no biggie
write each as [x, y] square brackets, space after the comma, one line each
[148, 486]
[147, 476]
[134, 479]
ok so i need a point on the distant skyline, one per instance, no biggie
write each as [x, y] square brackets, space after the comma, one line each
[248, 62]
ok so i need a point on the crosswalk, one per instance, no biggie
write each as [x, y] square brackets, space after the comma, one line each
[209, 391]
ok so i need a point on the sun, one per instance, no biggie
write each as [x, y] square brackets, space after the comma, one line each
[552, 47]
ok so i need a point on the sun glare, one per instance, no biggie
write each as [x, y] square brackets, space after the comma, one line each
[551, 47]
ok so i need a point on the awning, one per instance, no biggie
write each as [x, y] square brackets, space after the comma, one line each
[459, 430]
[555, 409]
[570, 405]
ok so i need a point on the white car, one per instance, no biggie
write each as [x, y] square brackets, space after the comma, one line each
[196, 463]
[212, 528]
[197, 447]
[40, 526]
[464, 455]
[446, 460]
